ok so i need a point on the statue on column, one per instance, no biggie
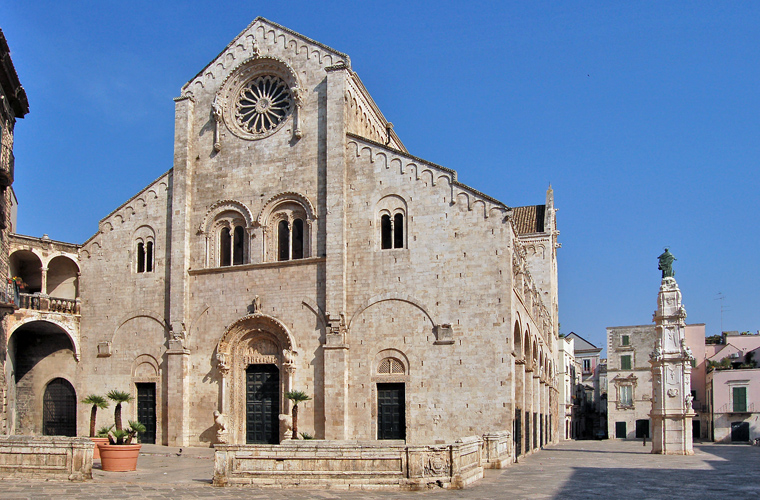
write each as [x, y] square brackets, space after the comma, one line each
[666, 264]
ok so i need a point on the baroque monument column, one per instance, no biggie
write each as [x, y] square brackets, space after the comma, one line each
[671, 370]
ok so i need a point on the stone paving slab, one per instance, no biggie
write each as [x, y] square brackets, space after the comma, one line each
[575, 470]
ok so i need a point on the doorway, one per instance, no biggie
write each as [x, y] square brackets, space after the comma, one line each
[146, 411]
[739, 432]
[391, 417]
[262, 404]
[642, 428]
[59, 409]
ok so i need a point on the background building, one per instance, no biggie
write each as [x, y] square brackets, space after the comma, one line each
[569, 378]
[13, 105]
[589, 412]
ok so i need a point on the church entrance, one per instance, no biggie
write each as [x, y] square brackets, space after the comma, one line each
[391, 418]
[146, 411]
[262, 404]
[59, 409]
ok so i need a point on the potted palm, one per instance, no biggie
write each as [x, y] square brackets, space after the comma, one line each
[119, 454]
[96, 402]
[296, 397]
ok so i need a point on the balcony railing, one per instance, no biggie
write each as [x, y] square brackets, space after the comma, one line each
[9, 297]
[7, 163]
[38, 302]
[729, 408]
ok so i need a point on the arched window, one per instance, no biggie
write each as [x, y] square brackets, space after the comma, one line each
[391, 210]
[386, 231]
[297, 239]
[140, 257]
[283, 241]
[237, 247]
[144, 257]
[224, 247]
[398, 230]
[390, 366]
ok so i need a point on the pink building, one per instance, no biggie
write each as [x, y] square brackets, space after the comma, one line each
[733, 388]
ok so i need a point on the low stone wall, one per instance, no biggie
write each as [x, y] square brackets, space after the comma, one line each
[48, 457]
[349, 464]
[497, 450]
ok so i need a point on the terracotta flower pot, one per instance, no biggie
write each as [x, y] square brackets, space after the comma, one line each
[119, 457]
[96, 451]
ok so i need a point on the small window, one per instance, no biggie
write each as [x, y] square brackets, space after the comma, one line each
[141, 257]
[149, 257]
[626, 395]
[237, 247]
[398, 231]
[144, 256]
[625, 362]
[390, 366]
[283, 240]
[297, 250]
[740, 399]
[224, 247]
[385, 229]
[625, 340]
[586, 365]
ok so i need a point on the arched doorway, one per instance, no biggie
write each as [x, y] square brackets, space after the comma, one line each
[262, 404]
[59, 409]
[256, 362]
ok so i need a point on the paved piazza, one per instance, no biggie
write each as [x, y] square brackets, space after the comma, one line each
[570, 470]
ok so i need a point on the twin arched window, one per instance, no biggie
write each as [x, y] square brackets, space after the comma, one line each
[391, 210]
[231, 246]
[392, 231]
[290, 239]
[145, 257]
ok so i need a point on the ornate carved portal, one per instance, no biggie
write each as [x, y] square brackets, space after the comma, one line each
[256, 340]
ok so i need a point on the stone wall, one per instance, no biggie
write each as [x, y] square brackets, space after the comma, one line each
[350, 464]
[52, 457]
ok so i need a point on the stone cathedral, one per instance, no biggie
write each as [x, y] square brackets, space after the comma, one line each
[295, 244]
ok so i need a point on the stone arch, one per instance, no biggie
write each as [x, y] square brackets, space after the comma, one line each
[139, 313]
[391, 296]
[517, 339]
[62, 277]
[59, 326]
[256, 339]
[391, 353]
[27, 265]
[223, 206]
[145, 366]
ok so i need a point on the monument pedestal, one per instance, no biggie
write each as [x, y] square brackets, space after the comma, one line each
[671, 376]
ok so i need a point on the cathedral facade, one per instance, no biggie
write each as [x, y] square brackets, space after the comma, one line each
[296, 245]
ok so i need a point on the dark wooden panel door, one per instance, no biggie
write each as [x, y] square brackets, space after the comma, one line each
[518, 432]
[59, 409]
[262, 405]
[642, 428]
[391, 418]
[739, 431]
[146, 411]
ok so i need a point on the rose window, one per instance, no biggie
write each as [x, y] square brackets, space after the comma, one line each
[263, 104]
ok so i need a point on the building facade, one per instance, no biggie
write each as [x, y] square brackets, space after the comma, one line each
[13, 106]
[733, 388]
[295, 244]
[569, 379]
[630, 380]
[588, 410]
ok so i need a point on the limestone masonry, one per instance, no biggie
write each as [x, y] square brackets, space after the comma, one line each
[295, 245]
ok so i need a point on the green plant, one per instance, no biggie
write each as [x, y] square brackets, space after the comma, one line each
[119, 397]
[296, 397]
[96, 402]
[103, 431]
[306, 435]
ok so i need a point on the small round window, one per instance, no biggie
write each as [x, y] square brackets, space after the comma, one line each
[262, 105]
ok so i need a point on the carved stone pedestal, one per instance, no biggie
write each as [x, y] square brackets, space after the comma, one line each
[671, 376]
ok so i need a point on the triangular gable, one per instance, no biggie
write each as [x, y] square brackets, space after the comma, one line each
[582, 344]
[727, 350]
[244, 46]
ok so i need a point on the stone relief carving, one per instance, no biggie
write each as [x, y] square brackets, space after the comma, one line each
[672, 392]
[222, 363]
[436, 464]
[216, 110]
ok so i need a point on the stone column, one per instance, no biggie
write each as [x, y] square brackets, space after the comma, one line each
[336, 386]
[528, 410]
[671, 376]
[519, 405]
[537, 407]
[177, 393]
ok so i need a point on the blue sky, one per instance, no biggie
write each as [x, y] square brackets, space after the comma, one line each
[642, 115]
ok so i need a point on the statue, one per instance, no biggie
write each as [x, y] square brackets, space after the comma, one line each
[220, 423]
[255, 305]
[666, 264]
